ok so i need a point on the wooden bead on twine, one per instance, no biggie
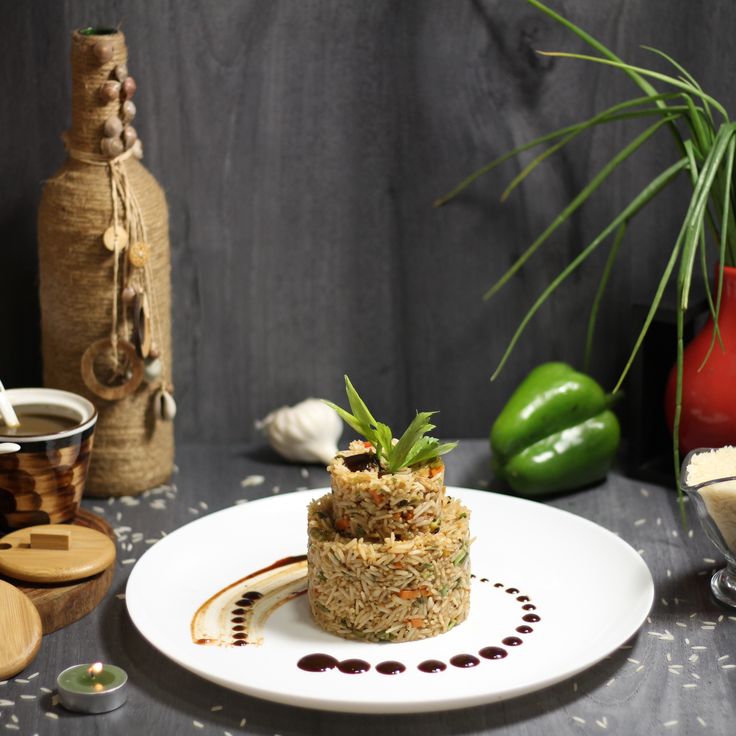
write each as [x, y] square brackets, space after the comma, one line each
[129, 88]
[102, 51]
[131, 454]
[110, 91]
[113, 126]
[128, 111]
[138, 254]
[137, 149]
[120, 72]
[115, 238]
[111, 147]
[130, 136]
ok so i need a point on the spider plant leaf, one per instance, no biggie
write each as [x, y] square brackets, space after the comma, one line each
[653, 188]
[638, 79]
[672, 81]
[698, 127]
[581, 197]
[696, 210]
[607, 116]
[708, 293]
[722, 249]
[694, 178]
[597, 45]
[689, 226]
[687, 77]
[654, 306]
[659, 99]
[678, 414]
[465, 183]
[618, 239]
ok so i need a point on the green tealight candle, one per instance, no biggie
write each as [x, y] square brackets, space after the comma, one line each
[92, 688]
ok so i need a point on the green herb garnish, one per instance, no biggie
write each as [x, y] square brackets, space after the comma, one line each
[413, 447]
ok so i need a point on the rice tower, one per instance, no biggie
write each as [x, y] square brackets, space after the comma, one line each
[388, 551]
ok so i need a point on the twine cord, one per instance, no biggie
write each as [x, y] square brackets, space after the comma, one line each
[121, 193]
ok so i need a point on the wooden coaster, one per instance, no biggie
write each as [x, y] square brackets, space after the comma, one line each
[21, 627]
[61, 605]
[89, 553]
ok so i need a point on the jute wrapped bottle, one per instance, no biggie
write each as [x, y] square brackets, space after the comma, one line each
[103, 188]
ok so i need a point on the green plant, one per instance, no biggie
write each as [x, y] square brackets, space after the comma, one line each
[705, 138]
[412, 448]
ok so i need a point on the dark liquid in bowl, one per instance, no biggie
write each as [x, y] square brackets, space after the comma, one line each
[35, 422]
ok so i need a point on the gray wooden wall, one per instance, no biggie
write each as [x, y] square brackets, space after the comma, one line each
[301, 143]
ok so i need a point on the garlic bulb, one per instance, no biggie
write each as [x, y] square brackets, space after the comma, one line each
[306, 432]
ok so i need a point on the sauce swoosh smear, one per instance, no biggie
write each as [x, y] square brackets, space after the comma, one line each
[235, 616]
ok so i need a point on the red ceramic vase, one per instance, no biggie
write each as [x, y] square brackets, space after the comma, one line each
[708, 416]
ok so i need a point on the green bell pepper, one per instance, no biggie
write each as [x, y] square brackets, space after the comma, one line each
[556, 433]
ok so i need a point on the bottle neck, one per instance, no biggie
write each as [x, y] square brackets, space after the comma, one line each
[94, 56]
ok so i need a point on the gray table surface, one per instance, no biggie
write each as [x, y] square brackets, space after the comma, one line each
[676, 677]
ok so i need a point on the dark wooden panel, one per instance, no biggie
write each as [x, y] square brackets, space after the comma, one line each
[301, 144]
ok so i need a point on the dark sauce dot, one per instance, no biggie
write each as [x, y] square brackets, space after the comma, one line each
[240, 635]
[512, 591]
[523, 598]
[472, 577]
[498, 585]
[237, 620]
[240, 643]
[531, 618]
[238, 611]
[524, 629]
[431, 666]
[512, 641]
[253, 595]
[203, 641]
[390, 668]
[353, 666]
[484, 580]
[238, 627]
[464, 660]
[244, 602]
[493, 653]
[529, 607]
[317, 663]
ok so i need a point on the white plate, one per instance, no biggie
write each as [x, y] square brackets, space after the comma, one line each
[592, 592]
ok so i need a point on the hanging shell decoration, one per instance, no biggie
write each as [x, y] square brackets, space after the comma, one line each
[307, 432]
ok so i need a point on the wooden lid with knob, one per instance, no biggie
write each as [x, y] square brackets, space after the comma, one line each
[55, 553]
